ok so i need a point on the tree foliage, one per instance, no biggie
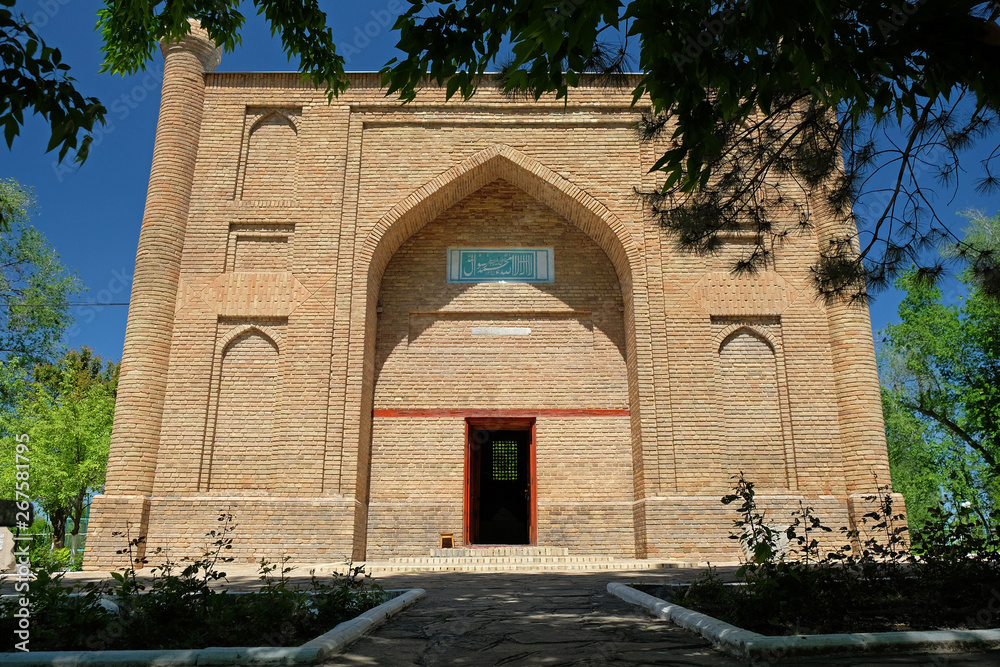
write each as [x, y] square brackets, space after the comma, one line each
[34, 285]
[762, 108]
[940, 369]
[33, 78]
[769, 113]
[67, 411]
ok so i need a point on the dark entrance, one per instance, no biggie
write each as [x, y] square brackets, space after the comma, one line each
[499, 502]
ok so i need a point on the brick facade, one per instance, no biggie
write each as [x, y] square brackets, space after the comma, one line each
[296, 353]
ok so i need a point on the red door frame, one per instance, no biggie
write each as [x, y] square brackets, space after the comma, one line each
[499, 424]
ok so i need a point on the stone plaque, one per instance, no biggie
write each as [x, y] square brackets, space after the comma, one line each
[494, 265]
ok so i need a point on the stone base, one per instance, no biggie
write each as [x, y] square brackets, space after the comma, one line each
[698, 528]
[110, 515]
[860, 504]
[688, 528]
[499, 552]
[309, 530]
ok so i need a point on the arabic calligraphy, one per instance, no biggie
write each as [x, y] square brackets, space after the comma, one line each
[500, 264]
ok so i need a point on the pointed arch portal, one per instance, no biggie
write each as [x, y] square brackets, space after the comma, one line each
[406, 219]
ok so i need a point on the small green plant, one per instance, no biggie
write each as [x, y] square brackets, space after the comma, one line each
[871, 584]
[806, 544]
[886, 536]
[161, 609]
[759, 540]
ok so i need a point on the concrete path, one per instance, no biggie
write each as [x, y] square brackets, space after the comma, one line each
[557, 620]
[541, 618]
[526, 619]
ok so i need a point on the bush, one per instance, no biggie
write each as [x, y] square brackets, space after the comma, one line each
[870, 585]
[184, 610]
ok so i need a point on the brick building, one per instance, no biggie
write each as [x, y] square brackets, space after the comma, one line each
[362, 326]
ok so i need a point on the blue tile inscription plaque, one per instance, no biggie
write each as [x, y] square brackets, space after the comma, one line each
[495, 265]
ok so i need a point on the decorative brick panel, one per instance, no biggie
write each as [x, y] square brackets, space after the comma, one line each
[270, 164]
[750, 409]
[248, 396]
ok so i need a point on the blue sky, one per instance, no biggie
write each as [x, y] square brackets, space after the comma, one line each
[92, 214]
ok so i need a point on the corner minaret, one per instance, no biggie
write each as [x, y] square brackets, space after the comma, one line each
[145, 359]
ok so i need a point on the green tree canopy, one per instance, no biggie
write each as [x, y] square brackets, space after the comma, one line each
[67, 411]
[35, 287]
[755, 104]
[940, 369]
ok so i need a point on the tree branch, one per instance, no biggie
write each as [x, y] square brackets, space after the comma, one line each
[958, 430]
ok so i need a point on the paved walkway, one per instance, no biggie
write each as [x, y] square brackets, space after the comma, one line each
[544, 618]
[557, 620]
[526, 619]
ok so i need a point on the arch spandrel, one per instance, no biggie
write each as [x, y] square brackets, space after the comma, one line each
[734, 330]
[506, 163]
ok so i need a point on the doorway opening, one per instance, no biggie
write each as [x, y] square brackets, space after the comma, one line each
[500, 481]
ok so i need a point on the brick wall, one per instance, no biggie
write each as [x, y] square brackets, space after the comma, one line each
[248, 391]
[427, 357]
[751, 415]
[295, 286]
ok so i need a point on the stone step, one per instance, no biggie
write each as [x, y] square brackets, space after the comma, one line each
[418, 560]
[509, 564]
[490, 552]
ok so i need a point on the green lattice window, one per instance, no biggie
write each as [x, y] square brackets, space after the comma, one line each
[504, 461]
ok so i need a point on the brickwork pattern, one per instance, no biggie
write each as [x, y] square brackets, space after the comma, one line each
[261, 253]
[244, 416]
[271, 156]
[751, 410]
[427, 357]
[272, 215]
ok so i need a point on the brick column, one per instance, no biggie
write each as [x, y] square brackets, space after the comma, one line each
[145, 360]
[862, 432]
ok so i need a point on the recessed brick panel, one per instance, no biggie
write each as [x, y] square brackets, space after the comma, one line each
[249, 391]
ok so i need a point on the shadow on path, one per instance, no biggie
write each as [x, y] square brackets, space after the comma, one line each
[540, 618]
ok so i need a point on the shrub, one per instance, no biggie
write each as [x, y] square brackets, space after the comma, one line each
[184, 610]
[871, 584]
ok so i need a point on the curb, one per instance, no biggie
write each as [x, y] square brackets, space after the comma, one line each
[314, 650]
[760, 649]
[728, 637]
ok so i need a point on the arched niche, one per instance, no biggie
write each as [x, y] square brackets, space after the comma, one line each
[243, 414]
[270, 164]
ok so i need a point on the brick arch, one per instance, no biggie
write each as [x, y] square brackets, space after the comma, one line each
[423, 206]
[226, 462]
[502, 162]
[270, 334]
[734, 330]
[268, 160]
[783, 420]
[274, 113]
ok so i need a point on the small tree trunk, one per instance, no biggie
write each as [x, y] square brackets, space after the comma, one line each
[58, 521]
[77, 518]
